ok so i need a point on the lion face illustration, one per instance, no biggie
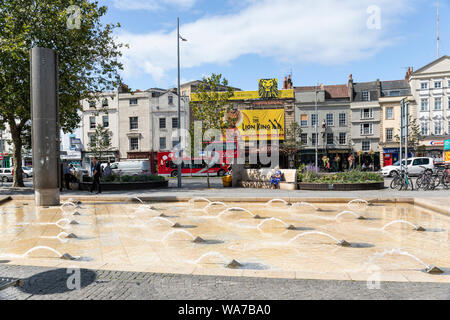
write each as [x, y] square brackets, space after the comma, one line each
[268, 88]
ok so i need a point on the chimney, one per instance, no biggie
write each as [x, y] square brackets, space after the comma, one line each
[285, 83]
[408, 74]
[289, 83]
[379, 88]
[350, 87]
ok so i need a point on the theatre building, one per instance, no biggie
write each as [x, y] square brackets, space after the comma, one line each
[262, 117]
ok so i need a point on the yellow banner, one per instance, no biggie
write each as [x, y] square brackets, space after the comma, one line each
[447, 156]
[250, 95]
[264, 124]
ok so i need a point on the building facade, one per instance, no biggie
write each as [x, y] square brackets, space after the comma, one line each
[333, 120]
[391, 96]
[430, 87]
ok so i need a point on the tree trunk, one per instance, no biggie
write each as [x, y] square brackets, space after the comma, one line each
[207, 176]
[17, 142]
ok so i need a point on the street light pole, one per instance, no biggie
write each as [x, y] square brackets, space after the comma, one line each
[317, 131]
[179, 105]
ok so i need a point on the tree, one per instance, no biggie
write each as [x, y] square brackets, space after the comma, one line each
[213, 104]
[88, 60]
[292, 141]
[415, 134]
[100, 141]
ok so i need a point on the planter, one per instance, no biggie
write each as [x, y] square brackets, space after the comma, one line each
[122, 186]
[341, 186]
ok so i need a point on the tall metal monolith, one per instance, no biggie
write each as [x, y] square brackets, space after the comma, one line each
[45, 126]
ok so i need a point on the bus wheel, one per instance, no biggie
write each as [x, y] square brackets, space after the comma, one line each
[174, 173]
[221, 173]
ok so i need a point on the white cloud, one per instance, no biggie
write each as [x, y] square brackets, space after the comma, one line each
[152, 5]
[330, 32]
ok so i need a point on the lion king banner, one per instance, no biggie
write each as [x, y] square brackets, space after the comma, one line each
[264, 124]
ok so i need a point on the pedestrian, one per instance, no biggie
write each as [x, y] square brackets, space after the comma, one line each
[68, 176]
[96, 174]
[364, 167]
[107, 171]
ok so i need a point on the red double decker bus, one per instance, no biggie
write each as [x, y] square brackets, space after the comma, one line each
[224, 154]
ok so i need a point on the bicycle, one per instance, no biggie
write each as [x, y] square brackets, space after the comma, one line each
[427, 180]
[402, 181]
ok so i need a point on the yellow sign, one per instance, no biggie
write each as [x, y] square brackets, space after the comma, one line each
[447, 156]
[265, 124]
[268, 89]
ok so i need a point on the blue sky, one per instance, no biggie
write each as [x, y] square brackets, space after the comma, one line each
[318, 41]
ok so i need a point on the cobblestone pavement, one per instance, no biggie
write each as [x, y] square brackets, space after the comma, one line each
[50, 283]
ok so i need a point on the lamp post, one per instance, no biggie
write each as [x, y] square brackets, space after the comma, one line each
[317, 131]
[179, 103]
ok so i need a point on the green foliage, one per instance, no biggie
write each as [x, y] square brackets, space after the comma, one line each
[100, 141]
[88, 60]
[354, 176]
[292, 139]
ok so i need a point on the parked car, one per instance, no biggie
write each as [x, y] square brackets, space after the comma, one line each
[130, 168]
[415, 167]
[28, 171]
[6, 174]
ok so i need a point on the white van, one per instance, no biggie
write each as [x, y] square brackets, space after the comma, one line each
[130, 168]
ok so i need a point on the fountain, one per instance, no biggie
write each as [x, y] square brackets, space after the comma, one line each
[358, 204]
[416, 228]
[198, 240]
[236, 209]
[288, 227]
[212, 254]
[342, 243]
[216, 203]
[349, 212]
[178, 231]
[162, 219]
[193, 200]
[428, 268]
[65, 256]
[269, 203]
[300, 204]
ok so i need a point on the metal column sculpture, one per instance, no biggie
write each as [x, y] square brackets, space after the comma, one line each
[45, 126]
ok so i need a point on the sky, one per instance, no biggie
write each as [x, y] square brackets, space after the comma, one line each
[317, 41]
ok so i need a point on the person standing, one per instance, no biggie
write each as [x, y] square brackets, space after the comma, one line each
[68, 176]
[107, 171]
[96, 173]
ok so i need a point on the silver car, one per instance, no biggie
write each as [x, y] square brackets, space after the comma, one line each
[6, 174]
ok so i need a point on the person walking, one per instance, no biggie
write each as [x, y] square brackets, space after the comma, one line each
[96, 173]
[107, 171]
[68, 176]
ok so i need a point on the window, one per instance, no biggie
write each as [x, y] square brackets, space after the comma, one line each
[448, 105]
[105, 121]
[366, 128]
[162, 143]
[313, 139]
[105, 103]
[424, 128]
[366, 114]
[417, 162]
[175, 141]
[448, 129]
[394, 93]
[330, 138]
[366, 146]
[424, 85]
[330, 120]
[424, 105]
[134, 143]
[91, 104]
[389, 134]
[342, 138]
[437, 103]
[174, 123]
[438, 127]
[170, 99]
[425, 161]
[313, 119]
[304, 138]
[342, 119]
[389, 113]
[438, 84]
[134, 124]
[133, 102]
[365, 96]
[304, 120]
[162, 123]
[92, 123]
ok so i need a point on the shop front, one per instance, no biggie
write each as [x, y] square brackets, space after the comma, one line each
[151, 156]
[392, 155]
[432, 149]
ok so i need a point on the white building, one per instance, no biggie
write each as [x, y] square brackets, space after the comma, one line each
[430, 86]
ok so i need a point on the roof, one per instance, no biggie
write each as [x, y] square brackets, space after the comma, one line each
[336, 91]
[430, 64]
